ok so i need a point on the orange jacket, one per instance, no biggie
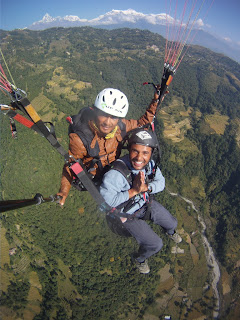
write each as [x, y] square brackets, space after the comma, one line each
[107, 147]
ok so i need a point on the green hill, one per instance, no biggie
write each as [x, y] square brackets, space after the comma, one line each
[66, 264]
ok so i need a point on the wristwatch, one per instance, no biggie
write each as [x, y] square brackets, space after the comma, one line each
[149, 189]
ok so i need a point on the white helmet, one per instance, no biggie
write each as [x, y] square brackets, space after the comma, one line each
[112, 101]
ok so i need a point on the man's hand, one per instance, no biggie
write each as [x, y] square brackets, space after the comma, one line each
[139, 185]
[62, 198]
[156, 93]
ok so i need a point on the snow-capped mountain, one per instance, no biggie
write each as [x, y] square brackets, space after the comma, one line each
[133, 19]
[114, 17]
[50, 22]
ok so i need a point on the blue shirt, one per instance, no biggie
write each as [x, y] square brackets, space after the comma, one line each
[114, 187]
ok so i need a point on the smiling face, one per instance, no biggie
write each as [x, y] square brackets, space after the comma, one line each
[139, 156]
[105, 122]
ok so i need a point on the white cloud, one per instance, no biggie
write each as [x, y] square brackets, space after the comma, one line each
[156, 18]
[227, 39]
[199, 23]
[73, 18]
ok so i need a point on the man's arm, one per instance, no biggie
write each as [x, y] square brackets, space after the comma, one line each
[114, 188]
[146, 118]
[78, 151]
[158, 183]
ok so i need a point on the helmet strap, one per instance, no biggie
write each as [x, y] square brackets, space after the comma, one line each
[112, 133]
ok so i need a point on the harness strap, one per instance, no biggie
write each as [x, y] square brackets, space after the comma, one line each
[13, 115]
[16, 116]
[121, 167]
[25, 106]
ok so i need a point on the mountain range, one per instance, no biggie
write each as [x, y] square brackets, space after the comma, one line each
[132, 19]
[64, 263]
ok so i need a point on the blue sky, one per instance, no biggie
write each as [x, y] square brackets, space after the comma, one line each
[222, 19]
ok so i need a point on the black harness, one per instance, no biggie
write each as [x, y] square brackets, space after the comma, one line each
[121, 167]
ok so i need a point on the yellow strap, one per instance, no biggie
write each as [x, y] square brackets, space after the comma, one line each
[169, 80]
[32, 112]
[112, 133]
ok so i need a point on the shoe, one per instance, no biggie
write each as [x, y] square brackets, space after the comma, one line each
[142, 266]
[175, 237]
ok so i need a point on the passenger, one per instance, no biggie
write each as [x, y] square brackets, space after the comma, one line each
[129, 187]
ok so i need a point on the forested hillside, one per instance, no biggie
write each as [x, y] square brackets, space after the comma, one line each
[65, 263]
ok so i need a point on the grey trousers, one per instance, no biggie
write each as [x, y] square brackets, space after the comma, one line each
[149, 242]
